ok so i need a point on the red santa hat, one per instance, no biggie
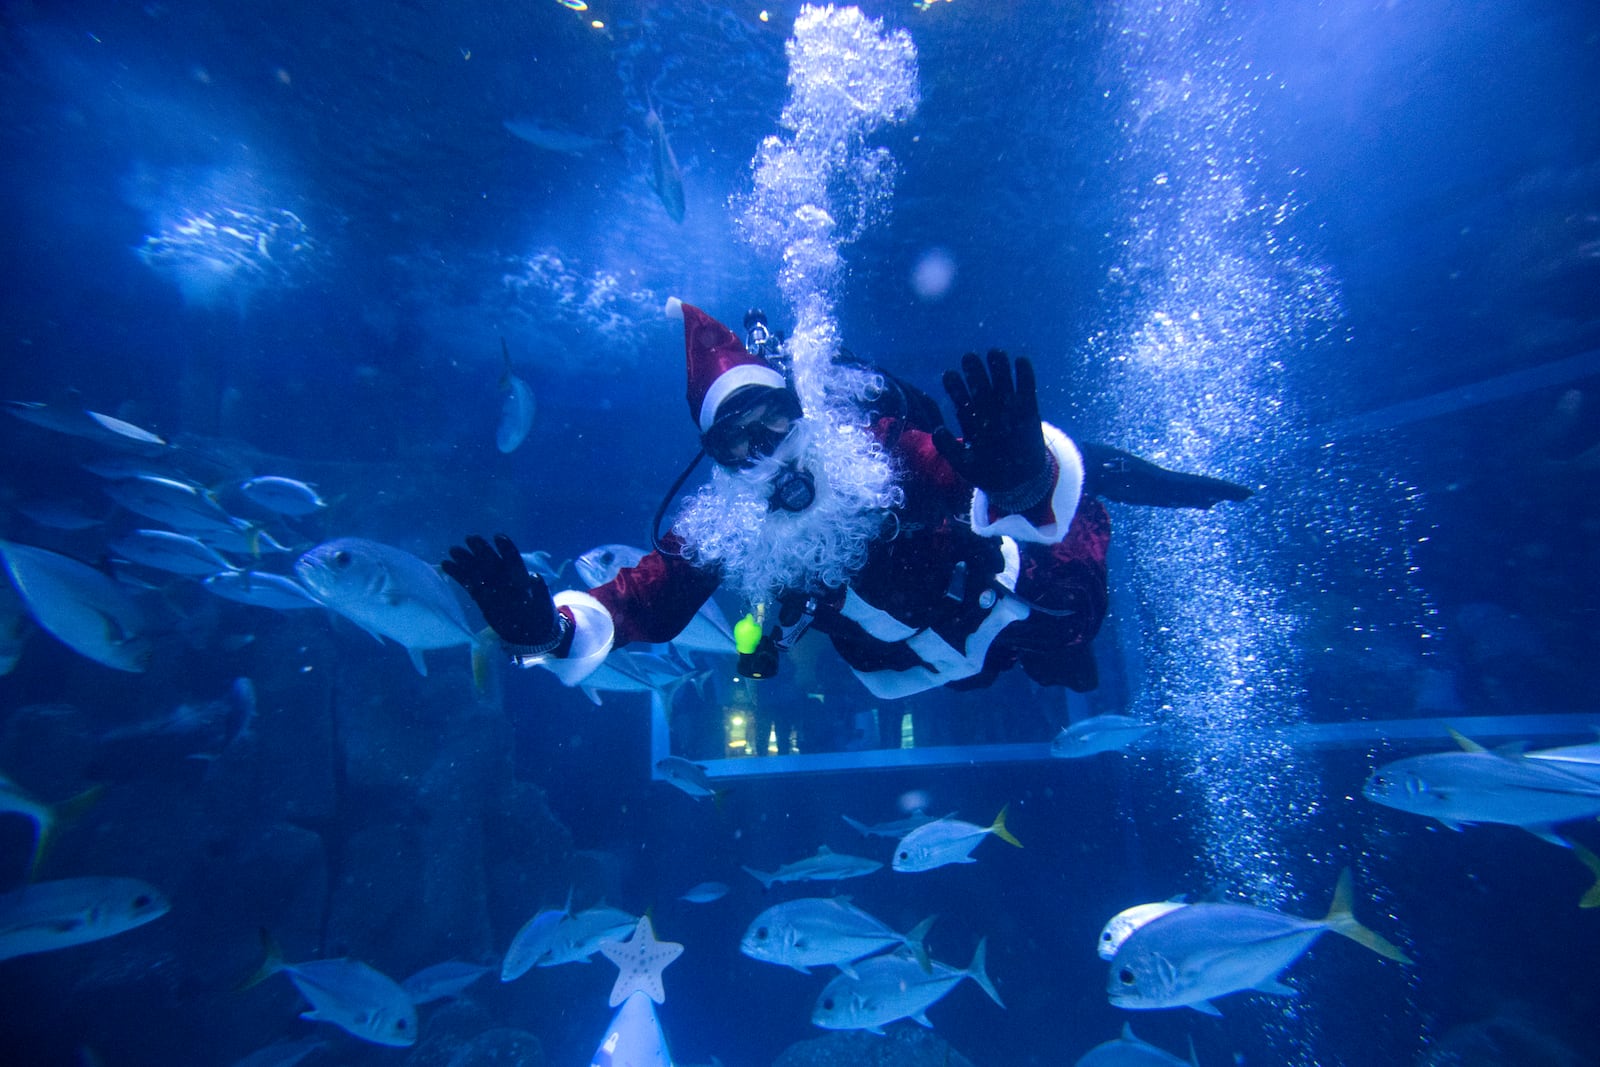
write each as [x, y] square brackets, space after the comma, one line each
[718, 363]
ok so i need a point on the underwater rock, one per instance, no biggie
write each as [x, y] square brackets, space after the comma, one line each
[905, 1046]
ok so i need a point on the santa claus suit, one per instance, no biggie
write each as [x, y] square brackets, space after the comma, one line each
[952, 592]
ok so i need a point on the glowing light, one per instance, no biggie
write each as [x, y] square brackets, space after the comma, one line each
[932, 276]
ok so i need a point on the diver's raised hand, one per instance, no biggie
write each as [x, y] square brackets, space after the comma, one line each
[1001, 449]
[515, 603]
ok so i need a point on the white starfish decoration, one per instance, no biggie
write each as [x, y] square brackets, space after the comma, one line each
[640, 961]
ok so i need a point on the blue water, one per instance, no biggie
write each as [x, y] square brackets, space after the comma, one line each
[1285, 244]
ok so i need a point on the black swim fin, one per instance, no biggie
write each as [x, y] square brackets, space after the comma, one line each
[1121, 476]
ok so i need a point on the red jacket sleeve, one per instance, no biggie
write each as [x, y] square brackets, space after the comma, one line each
[655, 600]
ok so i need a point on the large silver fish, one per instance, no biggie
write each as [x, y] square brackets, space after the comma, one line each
[826, 866]
[946, 841]
[517, 407]
[824, 932]
[625, 670]
[442, 980]
[1130, 1051]
[387, 592]
[286, 496]
[665, 176]
[88, 612]
[579, 936]
[1097, 734]
[534, 941]
[1460, 788]
[90, 424]
[47, 916]
[261, 589]
[1194, 954]
[179, 504]
[166, 550]
[894, 986]
[600, 564]
[355, 997]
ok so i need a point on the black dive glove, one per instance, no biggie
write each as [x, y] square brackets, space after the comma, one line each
[515, 604]
[1002, 448]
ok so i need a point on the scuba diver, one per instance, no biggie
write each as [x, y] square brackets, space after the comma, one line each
[928, 559]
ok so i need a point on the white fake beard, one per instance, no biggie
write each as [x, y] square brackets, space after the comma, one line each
[763, 552]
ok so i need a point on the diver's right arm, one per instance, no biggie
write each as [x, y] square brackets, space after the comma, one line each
[571, 633]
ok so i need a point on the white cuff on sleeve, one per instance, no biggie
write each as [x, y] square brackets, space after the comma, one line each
[593, 633]
[1063, 498]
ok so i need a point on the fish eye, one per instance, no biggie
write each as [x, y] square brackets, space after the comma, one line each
[827, 1005]
[341, 558]
[761, 934]
[142, 900]
[1125, 976]
[1105, 935]
[905, 855]
[399, 1024]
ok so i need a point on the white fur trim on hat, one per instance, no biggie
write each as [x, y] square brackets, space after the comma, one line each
[731, 380]
[674, 308]
[1063, 498]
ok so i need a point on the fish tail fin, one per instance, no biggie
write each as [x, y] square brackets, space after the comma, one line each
[977, 972]
[914, 941]
[856, 825]
[999, 828]
[1341, 919]
[761, 876]
[270, 965]
[1591, 899]
[505, 352]
[63, 814]
[483, 643]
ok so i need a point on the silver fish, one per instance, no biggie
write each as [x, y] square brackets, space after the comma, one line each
[442, 980]
[166, 550]
[826, 866]
[1130, 1051]
[894, 986]
[1097, 734]
[82, 423]
[600, 564]
[286, 496]
[181, 505]
[824, 932]
[84, 609]
[665, 176]
[705, 893]
[896, 829]
[946, 841]
[1477, 785]
[355, 997]
[517, 407]
[387, 592]
[262, 590]
[682, 774]
[59, 514]
[1191, 955]
[534, 941]
[550, 138]
[540, 563]
[577, 937]
[627, 671]
[47, 916]
[1126, 921]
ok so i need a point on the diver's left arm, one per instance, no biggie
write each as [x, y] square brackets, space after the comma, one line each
[1027, 475]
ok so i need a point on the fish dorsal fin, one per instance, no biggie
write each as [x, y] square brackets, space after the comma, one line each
[824, 850]
[1467, 744]
[1127, 1033]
